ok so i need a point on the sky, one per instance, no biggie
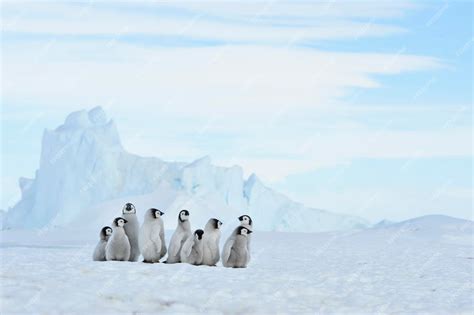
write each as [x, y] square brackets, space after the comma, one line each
[360, 107]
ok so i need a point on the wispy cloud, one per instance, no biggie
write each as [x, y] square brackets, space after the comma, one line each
[232, 79]
[266, 22]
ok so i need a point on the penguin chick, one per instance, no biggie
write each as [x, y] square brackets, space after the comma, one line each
[238, 257]
[132, 229]
[246, 221]
[99, 251]
[118, 245]
[211, 238]
[182, 232]
[151, 240]
[192, 250]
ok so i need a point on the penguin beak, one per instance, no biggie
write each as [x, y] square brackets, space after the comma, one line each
[125, 221]
[249, 232]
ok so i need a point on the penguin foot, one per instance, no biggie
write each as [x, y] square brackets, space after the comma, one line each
[147, 262]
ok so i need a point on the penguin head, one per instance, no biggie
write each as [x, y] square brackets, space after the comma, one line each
[105, 232]
[108, 230]
[120, 222]
[245, 220]
[153, 214]
[242, 230]
[183, 215]
[129, 208]
[198, 234]
[215, 223]
[157, 213]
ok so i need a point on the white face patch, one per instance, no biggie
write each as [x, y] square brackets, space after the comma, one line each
[121, 222]
[245, 220]
[183, 216]
[244, 232]
[108, 232]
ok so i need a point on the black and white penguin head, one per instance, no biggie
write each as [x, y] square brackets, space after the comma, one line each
[157, 213]
[215, 223]
[245, 220]
[105, 232]
[183, 215]
[243, 231]
[120, 222]
[153, 214]
[198, 234]
[129, 208]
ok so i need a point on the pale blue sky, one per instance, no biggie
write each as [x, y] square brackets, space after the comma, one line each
[357, 107]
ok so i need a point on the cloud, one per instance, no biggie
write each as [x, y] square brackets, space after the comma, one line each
[271, 22]
[198, 81]
[302, 9]
[285, 155]
[85, 45]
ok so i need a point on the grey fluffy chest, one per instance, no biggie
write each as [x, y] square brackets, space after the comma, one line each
[238, 252]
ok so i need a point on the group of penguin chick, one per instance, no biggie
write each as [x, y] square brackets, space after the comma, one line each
[126, 240]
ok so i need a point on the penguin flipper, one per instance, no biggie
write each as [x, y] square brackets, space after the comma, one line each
[226, 250]
[174, 248]
[186, 250]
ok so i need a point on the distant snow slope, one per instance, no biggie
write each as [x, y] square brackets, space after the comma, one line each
[435, 228]
[85, 172]
[401, 269]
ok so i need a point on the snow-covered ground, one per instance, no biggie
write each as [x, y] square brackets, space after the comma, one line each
[420, 266]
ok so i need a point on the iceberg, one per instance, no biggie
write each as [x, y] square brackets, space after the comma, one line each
[85, 172]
